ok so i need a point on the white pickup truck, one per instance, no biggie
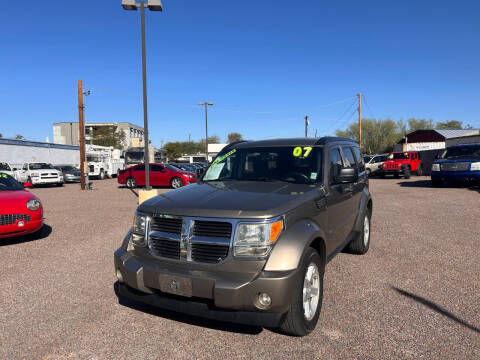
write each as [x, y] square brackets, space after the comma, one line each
[6, 169]
[39, 173]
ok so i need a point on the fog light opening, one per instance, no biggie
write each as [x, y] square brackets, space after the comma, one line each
[119, 275]
[21, 223]
[263, 301]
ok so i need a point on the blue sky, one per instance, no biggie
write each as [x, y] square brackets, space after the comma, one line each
[265, 64]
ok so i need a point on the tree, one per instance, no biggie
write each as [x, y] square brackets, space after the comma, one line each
[450, 124]
[420, 124]
[377, 135]
[1, 135]
[234, 136]
[174, 150]
[19, 137]
[108, 136]
[214, 139]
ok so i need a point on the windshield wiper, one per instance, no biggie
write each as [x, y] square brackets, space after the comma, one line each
[264, 179]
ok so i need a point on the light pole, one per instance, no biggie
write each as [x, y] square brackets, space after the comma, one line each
[153, 5]
[206, 104]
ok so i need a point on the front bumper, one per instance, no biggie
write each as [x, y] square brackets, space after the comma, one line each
[7, 231]
[40, 181]
[392, 171]
[73, 178]
[220, 286]
[456, 176]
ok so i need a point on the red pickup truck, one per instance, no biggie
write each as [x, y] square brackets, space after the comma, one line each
[402, 163]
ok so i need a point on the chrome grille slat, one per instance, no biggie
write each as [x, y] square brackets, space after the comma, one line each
[455, 166]
[166, 224]
[9, 219]
[212, 229]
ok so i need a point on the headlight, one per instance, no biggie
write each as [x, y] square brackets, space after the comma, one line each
[254, 240]
[34, 174]
[188, 176]
[435, 167]
[475, 166]
[33, 204]
[140, 222]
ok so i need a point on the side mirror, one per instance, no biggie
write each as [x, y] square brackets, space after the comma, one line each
[346, 175]
[199, 172]
[14, 169]
[437, 156]
[27, 184]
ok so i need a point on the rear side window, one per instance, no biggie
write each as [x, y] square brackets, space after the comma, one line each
[140, 168]
[335, 162]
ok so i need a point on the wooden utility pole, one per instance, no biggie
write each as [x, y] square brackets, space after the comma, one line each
[81, 134]
[306, 125]
[360, 120]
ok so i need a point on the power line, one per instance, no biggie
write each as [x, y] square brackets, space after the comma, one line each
[347, 110]
[368, 106]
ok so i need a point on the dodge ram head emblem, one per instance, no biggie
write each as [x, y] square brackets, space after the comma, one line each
[186, 235]
[174, 285]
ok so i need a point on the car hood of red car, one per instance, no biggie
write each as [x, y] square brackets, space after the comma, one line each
[14, 200]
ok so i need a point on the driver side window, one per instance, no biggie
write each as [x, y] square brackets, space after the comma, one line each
[335, 163]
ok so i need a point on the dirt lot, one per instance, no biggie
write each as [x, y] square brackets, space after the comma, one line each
[414, 295]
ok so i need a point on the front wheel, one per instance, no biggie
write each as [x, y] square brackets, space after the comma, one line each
[102, 175]
[302, 317]
[176, 182]
[437, 183]
[131, 183]
[406, 173]
[368, 171]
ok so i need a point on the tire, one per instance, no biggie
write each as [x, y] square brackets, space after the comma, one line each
[383, 175]
[419, 170]
[131, 183]
[59, 184]
[437, 183]
[102, 175]
[176, 182]
[298, 321]
[361, 244]
[406, 173]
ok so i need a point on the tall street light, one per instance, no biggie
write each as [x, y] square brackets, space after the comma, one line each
[206, 104]
[153, 5]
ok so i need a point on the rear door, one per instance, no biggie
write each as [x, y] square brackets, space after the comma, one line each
[138, 173]
[353, 203]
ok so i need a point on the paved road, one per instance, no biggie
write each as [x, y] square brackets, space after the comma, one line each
[414, 295]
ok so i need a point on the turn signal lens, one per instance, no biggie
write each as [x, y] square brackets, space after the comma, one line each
[275, 230]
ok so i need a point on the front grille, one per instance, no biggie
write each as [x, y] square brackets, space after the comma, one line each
[455, 166]
[165, 248]
[212, 229]
[9, 219]
[209, 253]
[166, 224]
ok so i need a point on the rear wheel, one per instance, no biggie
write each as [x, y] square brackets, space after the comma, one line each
[361, 244]
[131, 183]
[302, 317]
[176, 182]
[419, 170]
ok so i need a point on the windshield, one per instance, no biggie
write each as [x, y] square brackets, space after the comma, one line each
[68, 168]
[366, 159]
[462, 151]
[4, 166]
[295, 164]
[134, 156]
[7, 183]
[398, 156]
[39, 166]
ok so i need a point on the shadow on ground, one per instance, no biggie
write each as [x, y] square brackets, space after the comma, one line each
[431, 305]
[191, 320]
[428, 184]
[43, 233]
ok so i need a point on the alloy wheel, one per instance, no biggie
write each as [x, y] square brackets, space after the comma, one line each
[311, 291]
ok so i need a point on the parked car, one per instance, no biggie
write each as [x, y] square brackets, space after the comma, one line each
[21, 212]
[160, 175]
[249, 241]
[373, 163]
[5, 168]
[70, 173]
[402, 163]
[185, 167]
[39, 173]
[459, 163]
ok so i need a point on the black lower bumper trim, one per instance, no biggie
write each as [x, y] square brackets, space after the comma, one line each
[200, 309]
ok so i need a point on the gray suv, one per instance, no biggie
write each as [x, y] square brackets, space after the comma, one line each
[250, 240]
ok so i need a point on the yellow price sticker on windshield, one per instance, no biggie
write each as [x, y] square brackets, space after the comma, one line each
[299, 151]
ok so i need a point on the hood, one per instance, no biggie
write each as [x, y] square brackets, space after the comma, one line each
[72, 172]
[13, 201]
[457, 160]
[232, 199]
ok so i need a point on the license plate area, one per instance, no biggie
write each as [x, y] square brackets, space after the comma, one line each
[176, 285]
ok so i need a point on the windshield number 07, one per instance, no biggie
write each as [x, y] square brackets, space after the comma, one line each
[298, 151]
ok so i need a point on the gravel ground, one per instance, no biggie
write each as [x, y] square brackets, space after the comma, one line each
[414, 295]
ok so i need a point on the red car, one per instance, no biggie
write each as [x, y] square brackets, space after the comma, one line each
[160, 175]
[21, 212]
[402, 163]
